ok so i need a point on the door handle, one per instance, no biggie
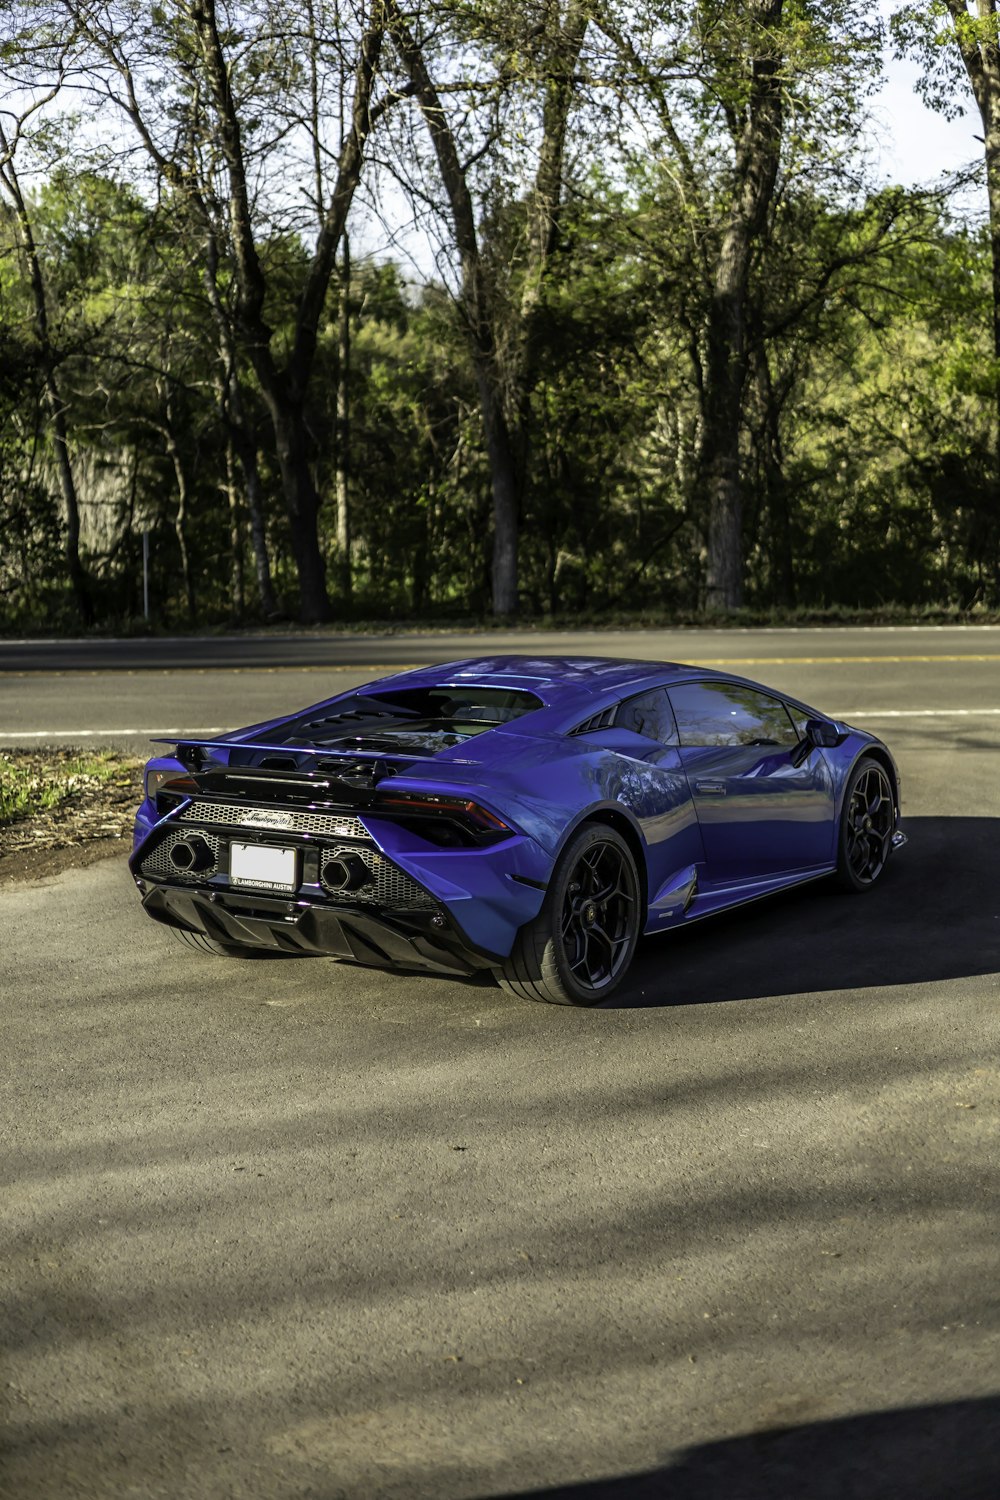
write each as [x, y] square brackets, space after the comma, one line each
[711, 788]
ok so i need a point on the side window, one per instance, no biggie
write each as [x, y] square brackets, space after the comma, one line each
[723, 713]
[649, 714]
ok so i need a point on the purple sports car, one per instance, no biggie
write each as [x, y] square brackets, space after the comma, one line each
[529, 815]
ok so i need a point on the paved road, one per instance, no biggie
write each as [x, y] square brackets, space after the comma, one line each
[292, 1228]
[122, 692]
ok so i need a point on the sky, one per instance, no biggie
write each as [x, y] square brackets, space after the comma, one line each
[917, 145]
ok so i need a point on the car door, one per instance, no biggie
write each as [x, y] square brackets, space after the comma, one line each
[646, 774]
[764, 807]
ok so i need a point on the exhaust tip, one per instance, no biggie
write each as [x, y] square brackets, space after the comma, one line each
[190, 855]
[346, 872]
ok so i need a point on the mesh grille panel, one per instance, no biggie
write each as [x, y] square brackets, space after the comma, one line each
[158, 862]
[275, 820]
[390, 886]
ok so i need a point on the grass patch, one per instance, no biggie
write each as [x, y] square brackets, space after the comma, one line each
[37, 783]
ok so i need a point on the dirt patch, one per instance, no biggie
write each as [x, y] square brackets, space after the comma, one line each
[43, 864]
[64, 809]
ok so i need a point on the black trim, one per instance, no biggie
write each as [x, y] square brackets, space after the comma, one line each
[412, 940]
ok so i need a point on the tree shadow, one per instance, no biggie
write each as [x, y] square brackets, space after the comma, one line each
[945, 1452]
[935, 915]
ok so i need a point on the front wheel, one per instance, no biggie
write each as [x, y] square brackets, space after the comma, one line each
[867, 824]
[579, 947]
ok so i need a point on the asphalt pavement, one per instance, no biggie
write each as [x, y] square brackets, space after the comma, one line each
[292, 1228]
[123, 693]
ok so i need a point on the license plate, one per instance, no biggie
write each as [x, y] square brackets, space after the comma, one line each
[262, 865]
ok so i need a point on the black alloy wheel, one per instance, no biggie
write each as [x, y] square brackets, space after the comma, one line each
[579, 947]
[867, 824]
[598, 914]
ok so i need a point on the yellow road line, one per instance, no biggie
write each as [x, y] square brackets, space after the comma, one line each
[821, 661]
[341, 668]
[408, 666]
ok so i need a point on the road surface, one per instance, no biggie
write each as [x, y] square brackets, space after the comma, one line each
[289, 1229]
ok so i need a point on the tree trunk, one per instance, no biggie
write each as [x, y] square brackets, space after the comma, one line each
[71, 504]
[344, 423]
[506, 490]
[781, 567]
[981, 56]
[285, 389]
[236, 591]
[181, 513]
[245, 446]
[240, 435]
[991, 135]
[725, 374]
[10, 181]
[302, 504]
[477, 305]
[757, 154]
[505, 428]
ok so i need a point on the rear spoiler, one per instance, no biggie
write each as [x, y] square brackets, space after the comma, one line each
[272, 749]
[354, 772]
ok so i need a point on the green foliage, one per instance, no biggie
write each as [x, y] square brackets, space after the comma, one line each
[868, 444]
[32, 783]
[927, 32]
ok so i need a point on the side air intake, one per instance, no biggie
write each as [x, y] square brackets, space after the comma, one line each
[602, 720]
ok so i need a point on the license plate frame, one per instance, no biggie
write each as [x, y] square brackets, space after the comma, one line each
[264, 867]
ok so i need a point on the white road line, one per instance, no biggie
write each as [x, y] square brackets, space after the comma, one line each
[913, 713]
[64, 734]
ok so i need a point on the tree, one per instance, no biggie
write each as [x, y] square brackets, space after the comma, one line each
[499, 283]
[217, 92]
[953, 37]
[718, 88]
[15, 135]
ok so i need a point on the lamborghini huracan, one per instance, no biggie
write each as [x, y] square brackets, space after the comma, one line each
[533, 816]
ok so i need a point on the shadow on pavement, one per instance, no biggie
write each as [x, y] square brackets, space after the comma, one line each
[948, 1452]
[935, 915]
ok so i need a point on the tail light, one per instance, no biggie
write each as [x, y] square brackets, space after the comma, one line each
[453, 822]
[169, 788]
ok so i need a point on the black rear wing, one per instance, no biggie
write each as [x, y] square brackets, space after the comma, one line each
[347, 775]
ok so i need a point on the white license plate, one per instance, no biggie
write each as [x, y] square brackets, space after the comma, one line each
[259, 864]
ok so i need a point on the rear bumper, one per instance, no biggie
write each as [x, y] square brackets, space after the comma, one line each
[455, 909]
[428, 940]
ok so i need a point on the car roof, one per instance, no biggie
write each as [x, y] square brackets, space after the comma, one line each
[556, 680]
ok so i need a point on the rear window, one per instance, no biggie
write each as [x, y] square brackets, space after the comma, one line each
[424, 718]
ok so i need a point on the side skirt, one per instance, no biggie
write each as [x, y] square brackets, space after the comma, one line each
[709, 901]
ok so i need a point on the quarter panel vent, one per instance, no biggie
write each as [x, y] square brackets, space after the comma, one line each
[602, 720]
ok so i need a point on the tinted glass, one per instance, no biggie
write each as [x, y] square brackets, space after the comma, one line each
[649, 714]
[711, 713]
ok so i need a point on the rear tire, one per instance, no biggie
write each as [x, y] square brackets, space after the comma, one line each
[205, 944]
[578, 949]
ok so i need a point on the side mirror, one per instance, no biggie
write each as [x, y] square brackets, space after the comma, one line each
[820, 734]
